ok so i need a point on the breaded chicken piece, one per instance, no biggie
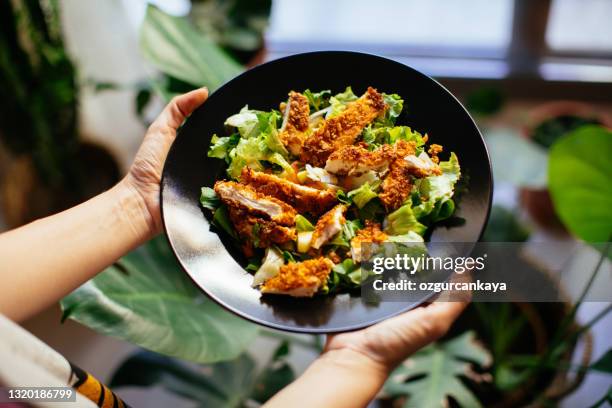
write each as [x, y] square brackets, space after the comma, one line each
[297, 113]
[422, 166]
[370, 235]
[434, 151]
[247, 199]
[343, 129]
[396, 186]
[299, 279]
[328, 225]
[259, 232]
[356, 160]
[302, 198]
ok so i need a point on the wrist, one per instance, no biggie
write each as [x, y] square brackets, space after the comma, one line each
[332, 372]
[132, 210]
[354, 362]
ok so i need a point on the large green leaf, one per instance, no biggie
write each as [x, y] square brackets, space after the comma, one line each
[223, 384]
[179, 50]
[431, 376]
[604, 364]
[580, 175]
[275, 376]
[515, 159]
[147, 299]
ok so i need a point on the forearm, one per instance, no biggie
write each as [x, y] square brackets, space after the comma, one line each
[46, 259]
[337, 379]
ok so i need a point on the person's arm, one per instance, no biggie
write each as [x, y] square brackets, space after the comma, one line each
[43, 261]
[355, 365]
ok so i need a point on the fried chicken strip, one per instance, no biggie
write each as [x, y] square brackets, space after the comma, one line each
[422, 165]
[259, 232]
[299, 279]
[343, 129]
[328, 225]
[297, 113]
[363, 243]
[245, 197]
[302, 198]
[356, 160]
[397, 184]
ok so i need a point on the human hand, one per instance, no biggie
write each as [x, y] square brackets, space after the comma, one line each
[361, 361]
[385, 345]
[145, 173]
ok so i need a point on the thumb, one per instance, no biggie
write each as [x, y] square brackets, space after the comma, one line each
[179, 108]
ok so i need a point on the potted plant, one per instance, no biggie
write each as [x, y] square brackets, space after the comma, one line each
[544, 125]
[46, 166]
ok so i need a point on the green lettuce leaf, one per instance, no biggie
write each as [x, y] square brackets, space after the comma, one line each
[349, 230]
[245, 122]
[376, 136]
[435, 192]
[268, 129]
[339, 101]
[302, 224]
[221, 219]
[220, 147]
[209, 199]
[405, 133]
[278, 159]
[396, 104]
[410, 244]
[362, 195]
[317, 100]
[402, 221]
[248, 152]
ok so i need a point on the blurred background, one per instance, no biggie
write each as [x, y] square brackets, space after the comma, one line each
[80, 81]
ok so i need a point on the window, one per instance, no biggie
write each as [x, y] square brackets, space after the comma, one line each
[580, 25]
[430, 27]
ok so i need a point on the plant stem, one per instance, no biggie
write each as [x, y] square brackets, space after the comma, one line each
[567, 321]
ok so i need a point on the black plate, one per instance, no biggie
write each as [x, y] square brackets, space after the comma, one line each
[213, 264]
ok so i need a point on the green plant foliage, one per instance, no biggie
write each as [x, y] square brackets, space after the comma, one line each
[604, 364]
[431, 376]
[237, 25]
[223, 384]
[179, 50]
[146, 299]
[503, 226]
[38, 116]
[549, 131]
[605, 401]
[580, 171]
[516, 160]
[485, 101]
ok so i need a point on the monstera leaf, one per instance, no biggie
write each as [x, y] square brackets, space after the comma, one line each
[179, 50]
[224, 384]
[431, 376]
[579, 172]
[146, 299]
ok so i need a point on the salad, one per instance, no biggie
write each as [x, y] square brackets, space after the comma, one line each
[308, 184]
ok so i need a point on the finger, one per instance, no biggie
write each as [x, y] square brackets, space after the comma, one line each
[179, 108]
